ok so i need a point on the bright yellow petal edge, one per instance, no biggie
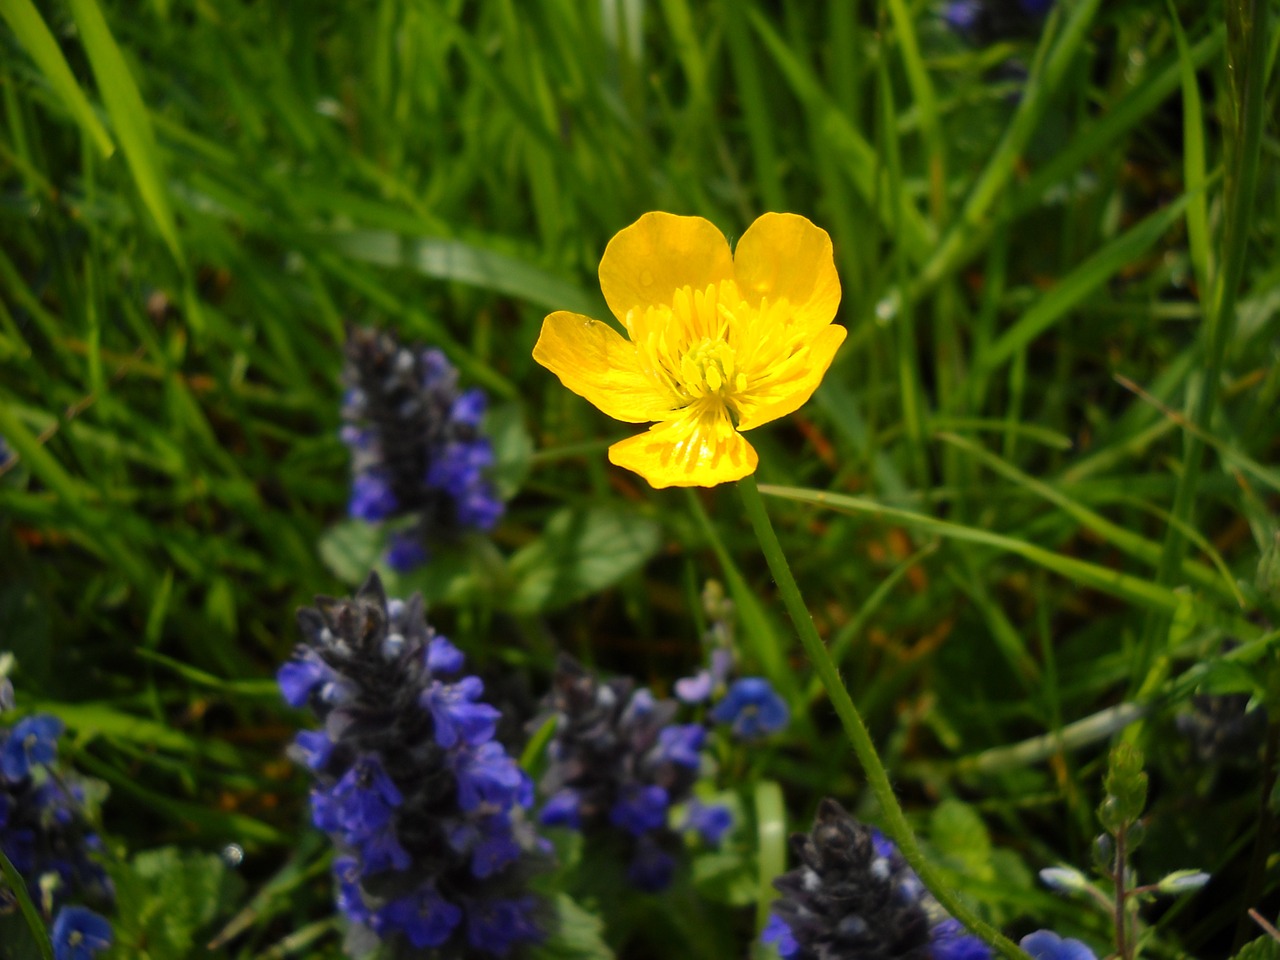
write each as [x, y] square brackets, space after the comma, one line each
[721, 343]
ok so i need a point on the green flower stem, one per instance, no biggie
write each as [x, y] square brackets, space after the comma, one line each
[895, 821]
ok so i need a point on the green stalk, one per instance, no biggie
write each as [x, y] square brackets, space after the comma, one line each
[895, 821]
[1247, 62]
[18, 887]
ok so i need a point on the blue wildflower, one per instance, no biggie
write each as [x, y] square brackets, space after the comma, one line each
[779, 934]
[563, 810]
[425, 918]
[640, 809]
[33, 741]
[651, 868]
[1047, 945]
[710, 820]
[78, 934]
[443, 658]
[458, 717]
[752, 709]
[300, 676]
[405, 552]
[496, 926]
[949, 940]
[416, 446]
[681, 744]
[983, 21]
[425, 809]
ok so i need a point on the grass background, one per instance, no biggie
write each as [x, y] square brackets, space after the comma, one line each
[1034, 485]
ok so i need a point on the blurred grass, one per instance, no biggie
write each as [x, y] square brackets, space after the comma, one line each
[1025, 232]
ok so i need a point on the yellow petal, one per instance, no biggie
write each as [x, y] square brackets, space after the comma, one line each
[596, 363]
[693, 451]
[788, 387]
[647, 262]
[784, 255]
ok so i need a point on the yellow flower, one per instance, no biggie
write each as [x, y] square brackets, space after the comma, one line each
[719, 342]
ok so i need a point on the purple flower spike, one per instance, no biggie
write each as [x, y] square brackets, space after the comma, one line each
[364, 799]
[458, 718]
[32, 742]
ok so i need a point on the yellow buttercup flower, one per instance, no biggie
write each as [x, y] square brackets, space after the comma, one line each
[719, 342]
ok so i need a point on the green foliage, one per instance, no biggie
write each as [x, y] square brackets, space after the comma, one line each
[1126, 789]
[1026, 507]
[166, 900]
[1263, 948]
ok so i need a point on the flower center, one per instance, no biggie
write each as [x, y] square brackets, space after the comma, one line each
[709, 368]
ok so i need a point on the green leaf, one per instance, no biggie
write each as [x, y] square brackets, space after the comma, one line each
[350, 549]
[959, 834]
[512, 448]
[576, 935]
[1264, 948]
[724, 877]
[1228, 676]
[30, 29]
[580, 552]
[164, 899]
[129, 115]
[462, 262]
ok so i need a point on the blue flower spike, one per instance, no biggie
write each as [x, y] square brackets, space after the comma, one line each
[32, 742]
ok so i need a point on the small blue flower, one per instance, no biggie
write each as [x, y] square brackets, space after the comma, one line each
[349, 899]
[1036, 8]
[78, 934]
[962, 16]
[490, 843]
[498, 925]
[680, 743]
[564, 809]
[752, 708]
[443, 658]
[382, 851]
[425, 918]
[32, 742]
[486, 775]
[469, 408]
[297, 678]
[779, 934]
[640, 808]
[949, 940]
[372, 498]
[364, 798]
[457, 715]
[313, 748]
[695, 689]
[1047, 945]
[652, 868]
[711, 820]
[405, 552]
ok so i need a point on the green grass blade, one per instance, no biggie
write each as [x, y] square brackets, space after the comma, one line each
[129, 115]
[1193, 158]
[30, 29]
[1080, 283]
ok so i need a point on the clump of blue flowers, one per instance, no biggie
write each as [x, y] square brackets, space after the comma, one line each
[424, 807]
[749, 706]
[855, 896]
[618, 764]
[416, 444]
[44, 833]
